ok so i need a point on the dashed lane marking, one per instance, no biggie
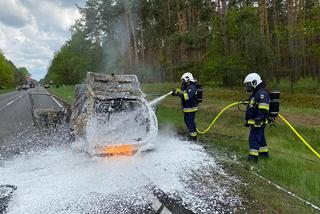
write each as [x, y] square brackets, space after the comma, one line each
[11, 102]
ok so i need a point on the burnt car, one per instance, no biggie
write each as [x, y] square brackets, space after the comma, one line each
[111, 115]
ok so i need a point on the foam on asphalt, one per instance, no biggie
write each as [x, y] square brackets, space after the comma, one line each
[62, 180]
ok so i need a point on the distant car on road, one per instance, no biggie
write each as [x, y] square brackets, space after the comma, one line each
[46, 86]
[25, 87]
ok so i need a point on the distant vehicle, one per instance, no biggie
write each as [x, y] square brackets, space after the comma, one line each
[25, 87]
[46, 86]
[31, 82]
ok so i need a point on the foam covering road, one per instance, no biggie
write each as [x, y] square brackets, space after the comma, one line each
[51, 176]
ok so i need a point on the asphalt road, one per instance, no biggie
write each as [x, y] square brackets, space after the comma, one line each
[14, 113]
[16, 121]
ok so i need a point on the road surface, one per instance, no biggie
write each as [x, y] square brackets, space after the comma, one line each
[16, 123]
[51, 176]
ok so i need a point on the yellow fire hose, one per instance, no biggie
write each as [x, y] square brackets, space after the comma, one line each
[286, 122]
[299, 135]
[216, 118]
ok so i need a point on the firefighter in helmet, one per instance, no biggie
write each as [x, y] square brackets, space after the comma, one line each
[257, 115]
[189, 103]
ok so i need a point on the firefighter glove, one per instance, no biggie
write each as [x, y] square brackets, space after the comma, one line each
[177, 91]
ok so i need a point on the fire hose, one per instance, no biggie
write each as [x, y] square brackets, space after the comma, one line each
[282, 118]
[292, 129]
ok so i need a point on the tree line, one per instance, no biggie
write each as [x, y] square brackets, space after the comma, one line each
[10, 75]
[217, 40]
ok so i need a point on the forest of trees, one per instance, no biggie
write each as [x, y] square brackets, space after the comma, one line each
[217, 40]
[10, 75]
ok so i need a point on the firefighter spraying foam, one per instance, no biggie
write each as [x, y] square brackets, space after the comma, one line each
[190, 94]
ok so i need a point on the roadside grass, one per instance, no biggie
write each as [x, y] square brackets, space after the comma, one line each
[3, 91]
[291, 165]
[64, 92]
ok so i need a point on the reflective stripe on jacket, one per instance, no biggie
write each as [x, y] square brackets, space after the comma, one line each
[257, 112]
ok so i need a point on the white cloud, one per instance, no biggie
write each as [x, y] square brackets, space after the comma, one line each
[39, 29]
[55, 17]
[13, 13]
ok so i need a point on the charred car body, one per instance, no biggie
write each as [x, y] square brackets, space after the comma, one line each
[111, 115]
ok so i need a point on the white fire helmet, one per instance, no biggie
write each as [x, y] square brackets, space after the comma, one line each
[187, 77]
[253, 79]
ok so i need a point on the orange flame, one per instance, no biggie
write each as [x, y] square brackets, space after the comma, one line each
[122, 149]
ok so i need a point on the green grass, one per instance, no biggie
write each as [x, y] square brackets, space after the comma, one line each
[291, 165]
[64, 92]
[306, 86]
[3, 91]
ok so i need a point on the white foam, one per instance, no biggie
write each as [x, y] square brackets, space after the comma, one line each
[137, 126]
[62, 180]
[159, 99]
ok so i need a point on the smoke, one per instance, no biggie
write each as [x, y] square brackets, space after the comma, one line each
[115, 49]
[121, 38]
[119, 54]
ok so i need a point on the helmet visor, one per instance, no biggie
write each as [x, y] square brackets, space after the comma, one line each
[248, 87]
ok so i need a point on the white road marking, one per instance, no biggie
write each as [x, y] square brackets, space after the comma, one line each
[156, 205]
[54, 99]
[59, 104]
[9, 103]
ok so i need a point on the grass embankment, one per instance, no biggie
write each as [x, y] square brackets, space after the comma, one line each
[64, 92]
[3, 91]
[291, 164]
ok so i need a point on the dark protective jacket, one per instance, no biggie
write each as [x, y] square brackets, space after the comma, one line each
[257, 112]
[188, 97]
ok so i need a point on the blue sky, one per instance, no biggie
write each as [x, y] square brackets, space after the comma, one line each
[32, 30]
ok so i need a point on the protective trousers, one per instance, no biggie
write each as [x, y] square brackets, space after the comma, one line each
[189, 118]
[257, 143]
